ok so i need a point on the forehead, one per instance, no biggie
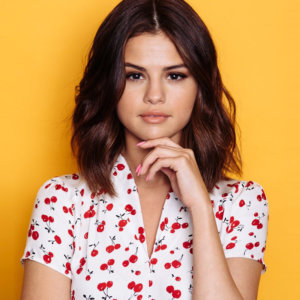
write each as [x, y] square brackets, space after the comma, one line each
[152, 49]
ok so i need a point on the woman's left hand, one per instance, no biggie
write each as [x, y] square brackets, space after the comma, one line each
[180, 165]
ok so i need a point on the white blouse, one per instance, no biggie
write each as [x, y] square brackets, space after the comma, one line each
[99, 242]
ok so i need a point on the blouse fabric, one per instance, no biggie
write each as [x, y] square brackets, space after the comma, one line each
[99, 242]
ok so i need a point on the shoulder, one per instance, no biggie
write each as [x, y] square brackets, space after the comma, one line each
[235, 189]
[66, 187]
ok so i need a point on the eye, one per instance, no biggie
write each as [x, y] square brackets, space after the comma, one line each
[134, 76]
[176, 76]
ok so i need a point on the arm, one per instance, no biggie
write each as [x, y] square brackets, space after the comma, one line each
[42, 282]
[214, 276]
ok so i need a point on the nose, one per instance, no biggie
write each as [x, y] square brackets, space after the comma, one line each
[154, 91]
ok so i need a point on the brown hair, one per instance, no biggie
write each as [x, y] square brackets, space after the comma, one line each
[98, 136]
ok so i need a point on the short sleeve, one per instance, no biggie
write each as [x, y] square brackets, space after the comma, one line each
[50, 239]
[247, 224]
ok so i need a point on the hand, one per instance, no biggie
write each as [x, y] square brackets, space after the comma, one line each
[180, 165]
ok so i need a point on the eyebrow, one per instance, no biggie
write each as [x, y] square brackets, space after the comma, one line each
[165, 68]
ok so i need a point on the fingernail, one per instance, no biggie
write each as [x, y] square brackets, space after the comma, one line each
[147, 178]
[140, 143]
[138, 168]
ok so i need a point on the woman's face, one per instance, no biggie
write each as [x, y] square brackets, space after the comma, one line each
[157, 82]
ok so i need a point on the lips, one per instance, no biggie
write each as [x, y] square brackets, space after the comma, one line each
[154, 114]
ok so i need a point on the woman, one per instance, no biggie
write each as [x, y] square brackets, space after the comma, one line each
[152, 214]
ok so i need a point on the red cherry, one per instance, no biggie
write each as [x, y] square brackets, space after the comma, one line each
[47, 259]
[186, 245]
[129, 191]
[88, 277]
[230, 246]
[65, 209]
[51, 219]
[150, 283]
[117, 246]
[129, 176]
[242, 203]
[79, 270]
[255, 222]
[68, 266]
[172, 230]
[176, 225]
[94, 252]
[122, 223]
[157, 248]
[256, 244]
[154, 261]
[45, 218]
[185, 225]
[110, 248]
[251, 233]
[75, 177]
[177, 278]
[249, 246]
[125, 263]
[53, 199]
[263, 195]
[170, 288]
[131, 285]
[142, 238]
[103, 267]
[176, 294]
[70, 232]
[82, 261]
[120, 167]
[109, 284]
[137, 272]
[260, 226]
[163, 247]
[256, 214]
[133, 212]
[166, 220]
[127, 249]
[57, 186]
[86, 235]
[101, 286]
[27, 254]
[141, 230]
[138, 287]
[133, 258]
[167, 266]
[100, 228]
[47, 185]
[47, 201]
[259, 197]
[57, 239]
[82, 192]
[111, 262]
[35, 235]
[176, 263]
[128, 207]
[109, 206]
[162, 226]
[235, 223]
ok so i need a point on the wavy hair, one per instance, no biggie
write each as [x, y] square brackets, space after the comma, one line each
[98, 135]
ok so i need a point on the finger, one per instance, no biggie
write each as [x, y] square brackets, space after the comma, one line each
[159, 152]
[155, 142]
[166, 162]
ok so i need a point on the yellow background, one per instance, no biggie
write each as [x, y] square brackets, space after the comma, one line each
[43, 51]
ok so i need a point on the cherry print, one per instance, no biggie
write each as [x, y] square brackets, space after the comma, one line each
[90, 213]
[101, 286]
[230, 246]
[259, 198]
[115, 173]
[129, 191]
[35, 235]
[109, 206]
[249, 246]
[131, 285]
[176, 294]
[170, 288]
[120, 167]
[53, 199]
[241, 203]
[220, 213]
[47, 185]
[75, 177]
[244, 206]
[138, 287]
[57, 186]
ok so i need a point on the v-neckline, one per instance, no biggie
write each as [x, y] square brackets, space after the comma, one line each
[141, 218]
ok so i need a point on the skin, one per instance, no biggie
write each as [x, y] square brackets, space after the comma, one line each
[163, 162]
